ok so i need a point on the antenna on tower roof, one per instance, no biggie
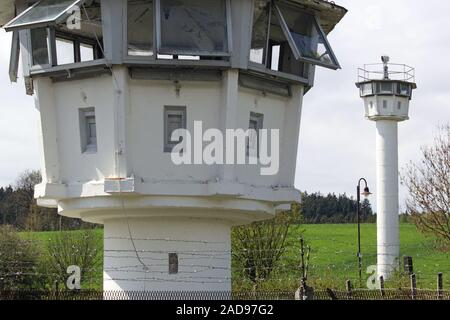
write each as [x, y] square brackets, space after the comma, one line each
[385, 60]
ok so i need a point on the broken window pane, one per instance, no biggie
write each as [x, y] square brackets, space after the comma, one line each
[39, 46]
[41, 14]
[85, 22]
[65, 51]
[309, 40]
[140, 27]
[85, 29]
[194, 27]
[261, 12]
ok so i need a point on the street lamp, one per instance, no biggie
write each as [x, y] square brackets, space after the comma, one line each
[366, 193]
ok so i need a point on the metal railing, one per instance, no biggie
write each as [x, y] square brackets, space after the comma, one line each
[375, 71]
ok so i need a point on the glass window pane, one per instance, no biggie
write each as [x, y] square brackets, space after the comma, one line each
[86, 52]
[39, 46]
[64, 51]
[386, 87]
[194, 27]
[404, 89]
[366, 89]
[140, 27]
[307, 36]
[280, 55]
[261, 12]
[43, 12]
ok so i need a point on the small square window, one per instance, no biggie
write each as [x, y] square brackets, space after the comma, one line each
[173, 263]
[385, 104]
[88, 130]
[255, 125]
[174, 118]
[386, 87]
[404, 89]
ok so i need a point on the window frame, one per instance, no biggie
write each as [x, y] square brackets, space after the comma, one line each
[259, 117]
[168, 144]
[51, 50]
[194, 53]
[40, 23]
[84, 114]
[77, 42]
[14, 57]
[132, 58]
[294, 48]
[266, 48]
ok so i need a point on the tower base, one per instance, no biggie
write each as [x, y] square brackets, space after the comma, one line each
[160, 254]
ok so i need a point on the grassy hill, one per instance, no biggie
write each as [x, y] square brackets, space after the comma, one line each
[333, 257]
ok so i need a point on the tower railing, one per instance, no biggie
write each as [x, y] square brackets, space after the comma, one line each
[375, 71]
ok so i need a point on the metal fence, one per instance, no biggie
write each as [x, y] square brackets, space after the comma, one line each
[388, 294]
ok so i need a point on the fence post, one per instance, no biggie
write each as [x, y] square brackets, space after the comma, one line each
[408, 265]
[56, 290]
[382, 286]
[303, 293]
[413, 286]
[348, 285]
[440, 286]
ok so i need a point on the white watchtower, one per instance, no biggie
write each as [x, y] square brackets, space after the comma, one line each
[387, 90]
[113, 79]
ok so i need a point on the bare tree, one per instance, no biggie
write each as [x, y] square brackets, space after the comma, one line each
[428, 183]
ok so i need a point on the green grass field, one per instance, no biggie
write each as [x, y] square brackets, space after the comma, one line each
[333, 256]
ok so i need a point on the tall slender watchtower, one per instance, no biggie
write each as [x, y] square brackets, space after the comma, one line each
[387, 90]
[114, 79]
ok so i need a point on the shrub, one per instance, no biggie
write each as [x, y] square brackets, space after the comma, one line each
[80, 249]
[19, 269]
[259, 248]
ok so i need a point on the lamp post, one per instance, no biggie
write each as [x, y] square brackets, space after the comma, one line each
[365, 193]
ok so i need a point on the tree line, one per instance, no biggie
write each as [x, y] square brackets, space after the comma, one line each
[316, 208]
[19, 209]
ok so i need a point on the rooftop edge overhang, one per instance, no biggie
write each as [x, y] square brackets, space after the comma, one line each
[413, 84]
[329, 13]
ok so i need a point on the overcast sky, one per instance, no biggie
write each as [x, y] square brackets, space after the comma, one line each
[337, 145]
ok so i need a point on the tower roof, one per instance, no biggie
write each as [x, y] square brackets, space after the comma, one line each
[329, 13]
